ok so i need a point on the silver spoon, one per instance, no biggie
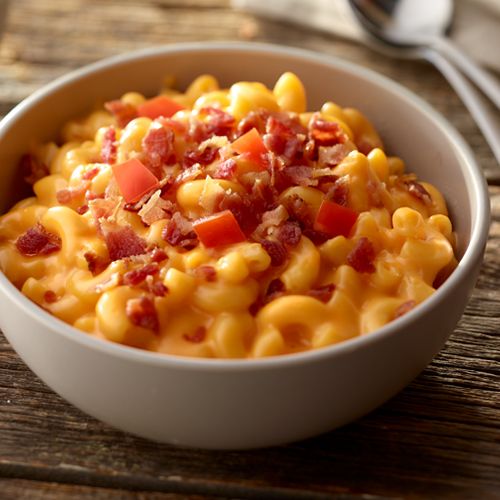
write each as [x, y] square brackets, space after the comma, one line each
[414, 28]
[410, 23]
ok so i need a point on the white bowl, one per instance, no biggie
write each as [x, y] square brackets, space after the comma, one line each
[247, 403]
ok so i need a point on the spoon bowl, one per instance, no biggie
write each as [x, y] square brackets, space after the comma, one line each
[405, 23]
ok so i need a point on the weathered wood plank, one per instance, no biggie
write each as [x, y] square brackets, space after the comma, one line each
[447, 449]
[19, 489]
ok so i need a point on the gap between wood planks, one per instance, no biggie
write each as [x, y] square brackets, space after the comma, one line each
[176, 485]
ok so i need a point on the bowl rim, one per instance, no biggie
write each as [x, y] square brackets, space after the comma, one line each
[472, 254]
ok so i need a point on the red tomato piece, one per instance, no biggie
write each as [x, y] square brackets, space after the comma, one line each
[134, 180]
[218, 229]
[159, 106]
[334, 219]
[251, 146]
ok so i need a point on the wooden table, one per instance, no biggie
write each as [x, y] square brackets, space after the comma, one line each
[439, 438]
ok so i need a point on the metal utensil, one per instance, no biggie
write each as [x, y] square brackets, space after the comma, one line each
[407, 23]
[410, 29]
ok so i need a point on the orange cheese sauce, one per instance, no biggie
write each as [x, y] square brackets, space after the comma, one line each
[229, 223]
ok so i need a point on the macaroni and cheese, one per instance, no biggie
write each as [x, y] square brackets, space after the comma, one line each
[230, 223]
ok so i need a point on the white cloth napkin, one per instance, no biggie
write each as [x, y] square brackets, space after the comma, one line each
[475, 28]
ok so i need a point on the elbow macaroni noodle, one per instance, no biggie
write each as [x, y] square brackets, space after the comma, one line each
[212, 313]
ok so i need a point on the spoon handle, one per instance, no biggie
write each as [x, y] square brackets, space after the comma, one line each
[471, 98]
[484, 80]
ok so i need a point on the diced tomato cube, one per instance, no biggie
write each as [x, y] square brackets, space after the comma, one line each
[134, 180]
[218, 229]
[252, 147]
[159, 106]
[334, 219]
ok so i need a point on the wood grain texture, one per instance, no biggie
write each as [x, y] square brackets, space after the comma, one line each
[21, 489]
[439, 438]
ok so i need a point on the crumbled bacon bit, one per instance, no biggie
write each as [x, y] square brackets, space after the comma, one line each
[275, 216]
[158, 255]
[197, 336]
[142, 312]
[183, 224]
[123, 112]
[207, 273]
[166, 184]
[282, 140]
[32, 168]
[339, 192]
[136, 276]
[331, 156]
[158, 289]
[50, 297]
[243, 210]
[299, 211]
[64, 196]
[225, 169]
[418, 191]
[82, 209]
[108, 149]
[154, 209]
[255, 119]
[290, 120]
[38, 241]
[273, 165]
[219, 122]
[297, 175]
[310, 151]
[96, 263]
[326, 133]
[276, 251]
[271, 219]
[151, 202]
[289, 233]
[323, 293]
[216, 141]
[197, 131]
[102, 207]
[189, 174]
[158, 146]
[204, 157]
[317, 237]
[263, 195]
[68, 195]
[404, 308]
[361, 257]
[179, 232]
[123, 242]
[90, 174]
